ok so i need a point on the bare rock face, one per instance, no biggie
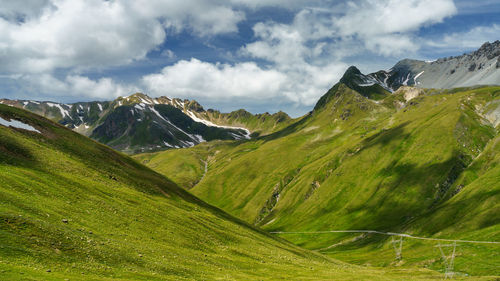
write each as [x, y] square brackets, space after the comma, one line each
[490, 50]
[481, 67]
[409, 93]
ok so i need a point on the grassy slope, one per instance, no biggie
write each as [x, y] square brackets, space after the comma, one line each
[186, 170]
[357, 164]
[84, 211]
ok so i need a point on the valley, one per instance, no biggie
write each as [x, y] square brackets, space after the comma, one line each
[75, 209]
[419, 162]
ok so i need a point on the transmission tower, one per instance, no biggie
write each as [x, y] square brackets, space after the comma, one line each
[397, 244]
[448, 260]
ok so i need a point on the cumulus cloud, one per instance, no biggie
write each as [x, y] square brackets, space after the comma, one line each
[203, 17]
[218, 81]
[372, 17]
[223, 82]
[74, 85]
[23, 10]
[98, 34]
[65, 37]
[384, 25]
[468, 39]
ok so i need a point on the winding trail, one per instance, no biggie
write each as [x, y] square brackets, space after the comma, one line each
[206, 169]
[384, 233]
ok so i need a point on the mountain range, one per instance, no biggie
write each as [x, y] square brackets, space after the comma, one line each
[481, 67]
[139, 123]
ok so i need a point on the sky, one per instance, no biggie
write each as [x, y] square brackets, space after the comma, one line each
[260, 55]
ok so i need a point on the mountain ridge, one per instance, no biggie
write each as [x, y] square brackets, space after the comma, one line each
[479, 67]
[139, 123]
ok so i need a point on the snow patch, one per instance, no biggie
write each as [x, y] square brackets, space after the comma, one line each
[17, 124]
[168, 121]
[208, 123]
[415, 79]
[64, 112]
[406, 81]
[199, 138]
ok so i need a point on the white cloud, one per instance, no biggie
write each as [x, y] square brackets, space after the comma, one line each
[385, 25]
[75, 85]
[223, 82]
[469, 39]
[203, 17]
[372, 17]
[289, 4]
[217, 81]
[23, 9]
[85, 34]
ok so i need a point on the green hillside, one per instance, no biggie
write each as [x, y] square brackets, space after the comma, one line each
[419, 162]
[258, 124]
[73, 209]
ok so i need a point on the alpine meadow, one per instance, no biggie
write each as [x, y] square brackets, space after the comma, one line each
[249, 140]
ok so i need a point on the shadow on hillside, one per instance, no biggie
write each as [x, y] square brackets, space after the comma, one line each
[385, 136]
[409, 192]
[14, 153]
[292, 128]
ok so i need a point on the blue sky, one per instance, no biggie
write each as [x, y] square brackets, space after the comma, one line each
[254, 54]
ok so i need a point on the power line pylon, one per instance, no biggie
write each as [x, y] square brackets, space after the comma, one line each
[449, 261]
[397, 244]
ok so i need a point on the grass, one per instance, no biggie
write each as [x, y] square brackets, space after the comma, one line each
[427, 168]
[71, 208]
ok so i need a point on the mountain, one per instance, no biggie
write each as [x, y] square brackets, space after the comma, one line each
[481, 67]
[259, 124]
[140, 123]
[417, 161]
[75, 209]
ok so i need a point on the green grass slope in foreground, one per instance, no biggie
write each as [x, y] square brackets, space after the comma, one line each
[71, 208]
[420, 162]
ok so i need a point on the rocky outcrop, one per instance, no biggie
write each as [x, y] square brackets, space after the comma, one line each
[481, 67]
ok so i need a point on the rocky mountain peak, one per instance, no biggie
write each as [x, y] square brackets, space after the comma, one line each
[490, 50]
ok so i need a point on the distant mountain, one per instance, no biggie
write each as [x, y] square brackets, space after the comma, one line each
[137, 123]
[259, 124]
[481, 67]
